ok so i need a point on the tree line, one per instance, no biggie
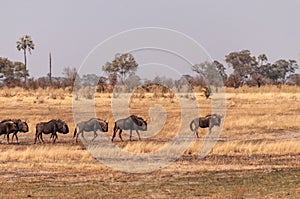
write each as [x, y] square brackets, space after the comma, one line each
[246, 68]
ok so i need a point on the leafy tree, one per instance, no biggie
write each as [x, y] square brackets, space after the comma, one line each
[122, 65]
[285, 68]
[185, 80]
[198, 80]
[132, 81]
[20, 70]
[164, 81]
[294, 79]
[6, 68]
[26, 44]
[257, 74]
[210, 72]
[112, 78]
[12, 72]
[234, 80]
[242, 63]
[280, 70]
[262, 59]
[70, 76]
[90, 80]
[221, 69]
[102, 83]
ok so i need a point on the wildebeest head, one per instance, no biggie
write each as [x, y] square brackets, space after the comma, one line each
[104, 125]
[215, 120]
[62, 126]
[140, 122]
[23, 126]
[143, 126]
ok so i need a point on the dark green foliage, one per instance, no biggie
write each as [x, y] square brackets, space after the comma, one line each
[122, 65]
[257, 71]
[12, 72]
[212, 72]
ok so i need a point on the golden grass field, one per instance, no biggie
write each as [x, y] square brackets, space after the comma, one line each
[256, 156]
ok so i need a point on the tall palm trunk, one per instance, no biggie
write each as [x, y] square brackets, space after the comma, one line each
[25, 62]
[50, 69]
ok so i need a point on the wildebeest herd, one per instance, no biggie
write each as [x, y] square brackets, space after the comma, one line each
[133, 122]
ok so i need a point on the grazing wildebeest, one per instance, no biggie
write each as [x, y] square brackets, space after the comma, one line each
[209, 121]
[132, 122]
[8, 127]
[92, 124]
[21, 125]
[53, 126]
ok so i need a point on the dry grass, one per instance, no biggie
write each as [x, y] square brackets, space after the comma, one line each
[263, 147]
[267, 114]
[261, 132]
[46, 154]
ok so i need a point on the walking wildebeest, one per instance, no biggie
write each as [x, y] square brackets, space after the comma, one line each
[22, 127]
[205, 122]
[132, 122]
[53, 126]
[8, 127]
[92, 124]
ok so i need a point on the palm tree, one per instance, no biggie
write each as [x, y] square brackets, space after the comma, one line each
[26, 44]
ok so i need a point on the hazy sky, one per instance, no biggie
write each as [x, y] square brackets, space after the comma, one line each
[71, 29]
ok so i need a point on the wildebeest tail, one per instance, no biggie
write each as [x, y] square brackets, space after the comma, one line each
[75, 131]
[115, 127]
[191, 125]
[36, 129]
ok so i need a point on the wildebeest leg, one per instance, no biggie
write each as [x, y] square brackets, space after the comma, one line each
[41, 137]
[36, 136]
[17, 137]
[95, 135]
[82, 134]
[77, 136]
[12, 138]
[210, 127]
[196, 132]
[138, 134]
[7, 137]
[114, 134]
[15, 134]
[130, 134]
[120, 135]
[55, 137]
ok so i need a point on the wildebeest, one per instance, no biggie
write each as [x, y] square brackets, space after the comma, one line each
[21, 127]
[132, 122]
[53, 126]
[209, 121]
[92, 124]
[8, 127]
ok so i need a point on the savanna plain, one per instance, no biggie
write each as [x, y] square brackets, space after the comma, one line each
[256, 156]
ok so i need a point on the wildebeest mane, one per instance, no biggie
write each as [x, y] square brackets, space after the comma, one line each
[137, 120]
